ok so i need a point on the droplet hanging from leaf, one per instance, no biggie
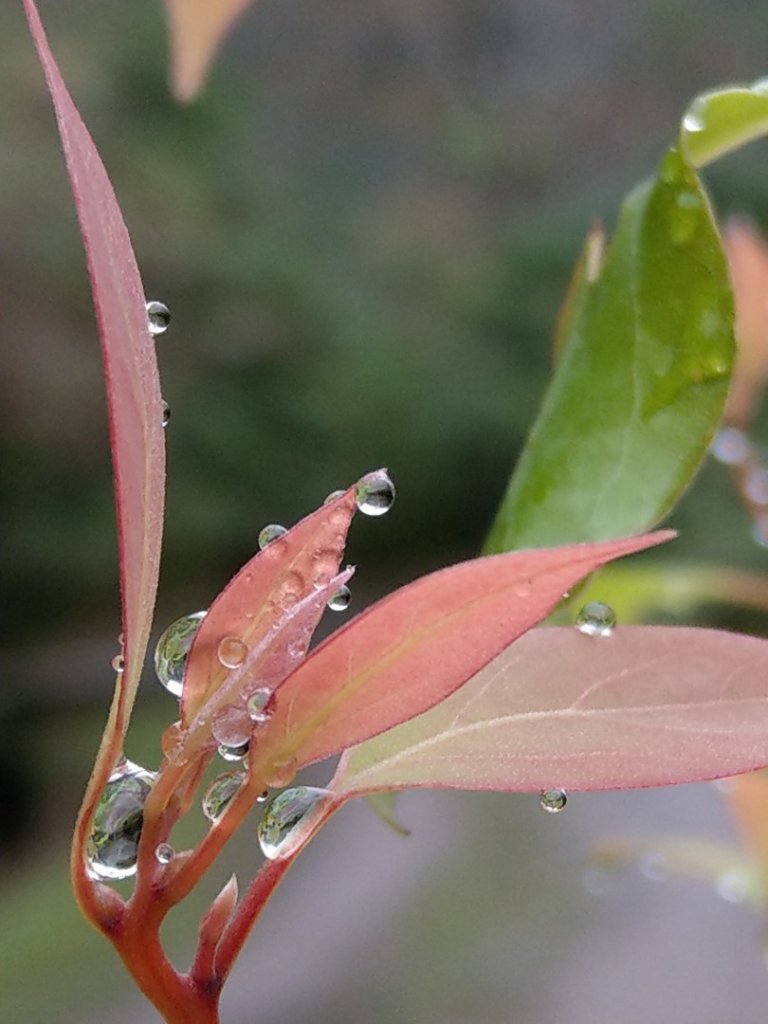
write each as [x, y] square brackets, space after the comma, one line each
[288, 820]
[172, 651]
[113, 844]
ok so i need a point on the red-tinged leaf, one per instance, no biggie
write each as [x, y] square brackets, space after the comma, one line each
[197, 29]
[649, 706]
[415, 647]
[130, 368]
[272, 606]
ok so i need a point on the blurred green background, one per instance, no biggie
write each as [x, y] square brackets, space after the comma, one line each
[363, 230]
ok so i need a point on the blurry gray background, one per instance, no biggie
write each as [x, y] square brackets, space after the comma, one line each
[363, 229]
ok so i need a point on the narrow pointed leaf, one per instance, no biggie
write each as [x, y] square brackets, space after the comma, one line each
[130, 369]
[289, 580]
[415, 647]
[648, 706]
[641, 381]
[197, 29]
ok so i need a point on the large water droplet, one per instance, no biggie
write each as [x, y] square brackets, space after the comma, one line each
[232, 652]
[257, 706]
[596, 619]
[553, 800]
[730, 446]
[172, 650]
[282, 773]
[269, 534]
[375, 494]
[165, 853]
[340, 600]
[159, 317]
[113, 844]
[288, 820]
[221, 793]
[234, 753]
[232, 726]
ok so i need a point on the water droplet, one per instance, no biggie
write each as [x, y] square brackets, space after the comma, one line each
[695, 116]
[340, 600]
[596, 619]
[756, 487]
[113, 844]
[262, 797]
[166, 414]
[234, 753]
[159, 317]
[732, 886]
[283, 773]
[730, 446]
[232, 727]
[375, 494]
[553, 800]
[172, 650]
[685, 217]
[288, 820]
[270, 534]
[221, 793]
[257, 706]
[653, 866]
[165, 853]
[232, 652]
[333, 496]
[118, 664]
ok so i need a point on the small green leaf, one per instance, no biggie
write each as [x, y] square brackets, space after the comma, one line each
[641, 381]
[721, 121]
[384, 806]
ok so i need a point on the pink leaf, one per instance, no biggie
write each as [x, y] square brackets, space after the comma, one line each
[648, 706]
[414, 648]
[130, 368]
[197, 29]
[271, 607]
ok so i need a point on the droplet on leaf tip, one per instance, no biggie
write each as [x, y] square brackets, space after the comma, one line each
[339, 602]
[375, 494]
[288, 819]
[553, 800]
[158, 317]
[269, 534]
[596, 619]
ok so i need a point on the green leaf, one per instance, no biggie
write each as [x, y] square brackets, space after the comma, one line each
[721, 121]
[384, 807]
[642, 378]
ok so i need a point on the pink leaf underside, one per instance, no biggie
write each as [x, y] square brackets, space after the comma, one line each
[273, 606]
[130, 366]
[197, 29]
[648, 706]
[415, 647]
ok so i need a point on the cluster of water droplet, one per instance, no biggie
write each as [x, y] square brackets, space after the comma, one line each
[288, 820]
[112, 848]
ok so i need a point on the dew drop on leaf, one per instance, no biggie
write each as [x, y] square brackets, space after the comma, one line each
[158, 317]
[553, 800]
[282, 773]
[257, 706]
[112, 847]
[596, 619]
[232, 652]
[221, 793]
[269, 534]
[172, 650]
[375, 494]
[234, 753]
[339, 602]
[166, 414]
[694, 119]
[118, 664]
[730, 446]
[288, 820]
[164, 853]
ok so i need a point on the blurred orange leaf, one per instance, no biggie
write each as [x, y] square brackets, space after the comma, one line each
[197, 29]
